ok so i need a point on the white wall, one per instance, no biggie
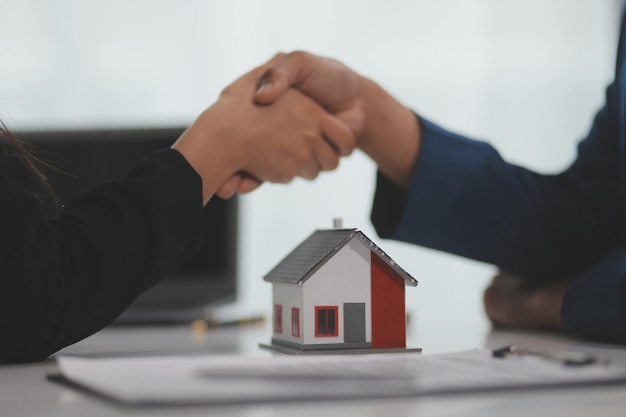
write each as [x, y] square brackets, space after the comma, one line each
[525, 75]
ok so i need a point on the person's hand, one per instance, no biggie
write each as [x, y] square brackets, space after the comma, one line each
[333, 85]
[240, 183]
[329, 82]
[293, 137]
[513, 303]
[384, 129]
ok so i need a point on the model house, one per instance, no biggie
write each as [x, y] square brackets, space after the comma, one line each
[338, 290]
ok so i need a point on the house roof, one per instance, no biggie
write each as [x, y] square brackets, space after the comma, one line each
[320, 247]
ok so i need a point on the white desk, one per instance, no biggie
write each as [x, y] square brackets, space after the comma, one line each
[25, 392]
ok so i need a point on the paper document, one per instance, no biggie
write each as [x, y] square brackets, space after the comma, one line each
[216, 379]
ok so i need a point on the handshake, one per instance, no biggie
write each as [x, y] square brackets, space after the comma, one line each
[296, 116]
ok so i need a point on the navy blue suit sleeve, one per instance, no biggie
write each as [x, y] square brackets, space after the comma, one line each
[594, 303]
[466, 199]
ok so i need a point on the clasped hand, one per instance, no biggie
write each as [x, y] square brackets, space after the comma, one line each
[380, 126]
[238, 142]
[296, 116]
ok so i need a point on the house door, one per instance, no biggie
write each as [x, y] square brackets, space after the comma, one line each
[354, 322]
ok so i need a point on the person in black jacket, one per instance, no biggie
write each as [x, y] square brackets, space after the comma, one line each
[63, 279]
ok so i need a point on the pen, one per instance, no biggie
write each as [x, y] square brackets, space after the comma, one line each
[565, 357]
[201, 325]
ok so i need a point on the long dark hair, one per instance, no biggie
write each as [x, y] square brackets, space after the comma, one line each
[10, 143]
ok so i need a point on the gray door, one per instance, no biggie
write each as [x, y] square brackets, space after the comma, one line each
[354, 322]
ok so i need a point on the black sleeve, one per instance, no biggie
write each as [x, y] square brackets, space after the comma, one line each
[62, 280]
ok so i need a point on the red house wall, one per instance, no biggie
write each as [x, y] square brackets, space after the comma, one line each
[388, 306]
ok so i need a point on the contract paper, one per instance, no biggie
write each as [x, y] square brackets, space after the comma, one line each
[231, 379]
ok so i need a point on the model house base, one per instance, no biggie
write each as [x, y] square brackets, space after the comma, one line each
[278, 347]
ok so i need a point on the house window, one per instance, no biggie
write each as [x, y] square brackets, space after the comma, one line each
[326, 321]
[295, 322]
[278, 318]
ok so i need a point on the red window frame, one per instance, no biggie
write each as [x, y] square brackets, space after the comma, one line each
[278, 318]
[330, 328]
[295, 322]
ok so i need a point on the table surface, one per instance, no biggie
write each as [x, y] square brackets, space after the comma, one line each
[24, 390]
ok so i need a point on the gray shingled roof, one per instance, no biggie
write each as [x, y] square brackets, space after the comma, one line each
[315, 251]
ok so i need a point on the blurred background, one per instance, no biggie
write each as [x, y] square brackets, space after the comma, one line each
[526, 76]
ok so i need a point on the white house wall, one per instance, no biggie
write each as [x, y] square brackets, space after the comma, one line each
[289, 296]
[345, 278]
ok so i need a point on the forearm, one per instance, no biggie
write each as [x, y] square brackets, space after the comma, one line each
[391, 135]
[200, 147]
